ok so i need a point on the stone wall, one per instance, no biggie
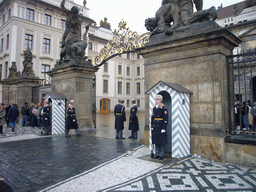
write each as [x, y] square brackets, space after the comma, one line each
[196, 59]
[76, 82]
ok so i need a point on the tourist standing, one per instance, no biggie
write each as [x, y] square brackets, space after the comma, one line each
[71, 118]
[2, 118]
[45, 119]
[159, 120]
[34, 116]
[133, 120]
[38, 115]
[120, 118]
[25, 113]
[12, 115]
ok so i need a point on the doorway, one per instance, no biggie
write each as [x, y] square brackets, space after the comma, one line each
[167, 101]
[105, 106]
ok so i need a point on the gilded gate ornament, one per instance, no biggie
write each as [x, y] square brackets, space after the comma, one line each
[124, 41]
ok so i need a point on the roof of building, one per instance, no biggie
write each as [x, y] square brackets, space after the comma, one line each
[56, 95]
[231, 10]
[175, 86]
[55, 7]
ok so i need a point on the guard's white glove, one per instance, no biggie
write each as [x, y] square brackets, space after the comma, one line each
[152, 129]
[162, 131]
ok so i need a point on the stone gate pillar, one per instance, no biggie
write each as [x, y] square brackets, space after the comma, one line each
[76, 82]
[19, 90]
[195, 58]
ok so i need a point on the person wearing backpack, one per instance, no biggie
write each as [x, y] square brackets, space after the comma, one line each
[253, 113]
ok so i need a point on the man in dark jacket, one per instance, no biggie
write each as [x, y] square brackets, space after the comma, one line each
[25, 113]
[120, 117]
[159, 121]
[12, 115]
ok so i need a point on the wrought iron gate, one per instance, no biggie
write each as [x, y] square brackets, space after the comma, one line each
[241, 93]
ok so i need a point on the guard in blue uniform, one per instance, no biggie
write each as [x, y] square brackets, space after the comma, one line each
[159, 121]
[120, 117]
[133, 121]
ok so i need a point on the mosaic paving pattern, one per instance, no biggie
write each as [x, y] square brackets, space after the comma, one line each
[194, 174]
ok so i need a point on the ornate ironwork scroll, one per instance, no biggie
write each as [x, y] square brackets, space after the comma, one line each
[124, 41]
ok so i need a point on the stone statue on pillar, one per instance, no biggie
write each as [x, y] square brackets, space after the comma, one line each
[175, 14]
[27, 64]
[73, 48]
[13, 73]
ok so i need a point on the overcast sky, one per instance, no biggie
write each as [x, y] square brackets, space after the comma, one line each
[134, 12]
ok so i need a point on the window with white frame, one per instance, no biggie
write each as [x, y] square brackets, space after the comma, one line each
[138, 88]
[47, 19]
[1, 68]
[119, 87]
[7, 41]
[128, 71]
[44, 70]
[119, 69]
[2, 46]
[28, 41]
[106, 67]
[6, 69]
[62, 24]
[30, 14]
[90, 46]
[105, 86]
[128, 88]
[138, 103]
[138, 71]
[46, 45]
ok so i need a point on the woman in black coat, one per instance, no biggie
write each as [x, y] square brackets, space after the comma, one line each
[133, 121]
[71, 119]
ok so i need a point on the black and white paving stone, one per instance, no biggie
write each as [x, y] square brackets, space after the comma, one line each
[137, 172]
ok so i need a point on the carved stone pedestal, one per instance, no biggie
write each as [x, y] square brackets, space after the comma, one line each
[76, 82]
[195, 58]
[19, 90]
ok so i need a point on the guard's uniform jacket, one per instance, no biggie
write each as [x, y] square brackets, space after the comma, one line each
[133, 121]
[120, 116]
[159, 120]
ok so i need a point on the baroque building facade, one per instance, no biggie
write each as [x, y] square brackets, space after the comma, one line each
[240, 19]
[39, 25]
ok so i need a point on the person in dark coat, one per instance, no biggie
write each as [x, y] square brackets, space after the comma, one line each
[133, 120]
[120, 117]
[45, 119]
[12, 115]
[71, 119]
[4, 187]
[2, 118]
[25, 113]
[159, 121]
[7, 110]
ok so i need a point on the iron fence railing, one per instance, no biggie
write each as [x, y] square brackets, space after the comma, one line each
[241, 70]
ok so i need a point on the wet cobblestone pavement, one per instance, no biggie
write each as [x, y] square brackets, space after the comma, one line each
[96, 161]
[31, 165]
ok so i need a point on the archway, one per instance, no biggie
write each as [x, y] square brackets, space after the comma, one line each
[167, 101]
[105, 105]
